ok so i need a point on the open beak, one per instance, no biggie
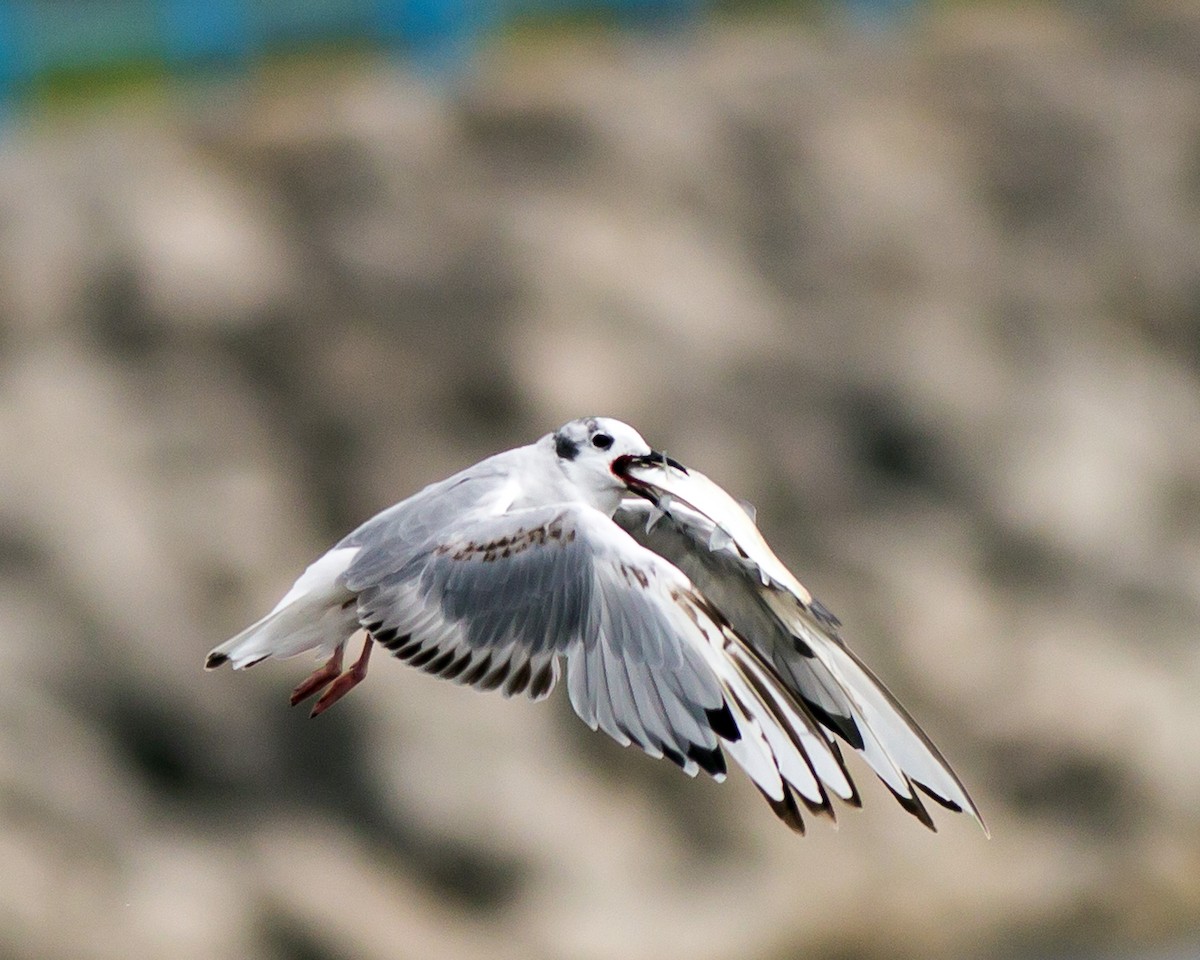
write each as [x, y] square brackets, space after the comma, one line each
[623, 464]
[656, 459]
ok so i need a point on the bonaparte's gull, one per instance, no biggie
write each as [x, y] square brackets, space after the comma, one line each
[680, 629]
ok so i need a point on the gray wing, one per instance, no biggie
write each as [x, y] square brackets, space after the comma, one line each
[499, 601]
[802, 646]
[392, 538]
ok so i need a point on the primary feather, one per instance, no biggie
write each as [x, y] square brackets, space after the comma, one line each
[798, 638]
[687, 637]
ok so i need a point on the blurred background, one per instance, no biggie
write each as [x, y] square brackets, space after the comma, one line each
[921, 281]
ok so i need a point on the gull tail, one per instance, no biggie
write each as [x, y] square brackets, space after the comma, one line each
[318, 613]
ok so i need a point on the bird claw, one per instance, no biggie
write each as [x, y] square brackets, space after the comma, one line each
[320, 678]
[346, 682]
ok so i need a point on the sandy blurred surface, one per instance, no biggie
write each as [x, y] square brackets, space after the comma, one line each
[931, 301]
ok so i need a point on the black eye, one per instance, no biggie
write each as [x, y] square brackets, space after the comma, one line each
[602, 441]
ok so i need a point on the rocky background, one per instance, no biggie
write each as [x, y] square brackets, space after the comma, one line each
[929, 297]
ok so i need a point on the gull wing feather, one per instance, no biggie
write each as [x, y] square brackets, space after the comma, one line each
[649, 660]
[798, 638]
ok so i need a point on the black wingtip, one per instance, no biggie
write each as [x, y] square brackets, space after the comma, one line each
[476, 673]
[956, 807]
[824, 614]
[711, 761]
[914, 806]
[720, 719]
[519, 680]
[854, 800]
[674, 756]
[948, 804]
[844, 727]
[424, 656]
[786, 809]
[542, 681]
[824, 809]
[215, 660]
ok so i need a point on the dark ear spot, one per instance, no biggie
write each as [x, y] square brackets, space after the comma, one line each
[565, 447]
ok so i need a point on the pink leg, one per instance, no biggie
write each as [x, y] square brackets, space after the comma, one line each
[321, 677]
[346, 682]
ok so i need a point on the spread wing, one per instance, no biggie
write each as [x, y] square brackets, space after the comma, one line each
[502, 600]
[799, 640]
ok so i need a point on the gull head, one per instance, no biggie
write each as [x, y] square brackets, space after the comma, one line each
[592, 452]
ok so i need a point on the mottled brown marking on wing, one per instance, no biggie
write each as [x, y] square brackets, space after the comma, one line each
[509, 546]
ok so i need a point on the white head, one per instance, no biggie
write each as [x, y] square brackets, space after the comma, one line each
[588, 451]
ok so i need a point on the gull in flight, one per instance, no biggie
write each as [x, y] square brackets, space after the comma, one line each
[679, 629]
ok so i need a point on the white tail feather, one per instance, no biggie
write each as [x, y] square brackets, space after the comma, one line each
[316, 614]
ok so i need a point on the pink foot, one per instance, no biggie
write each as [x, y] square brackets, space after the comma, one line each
[320, 678]
[346, 682]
